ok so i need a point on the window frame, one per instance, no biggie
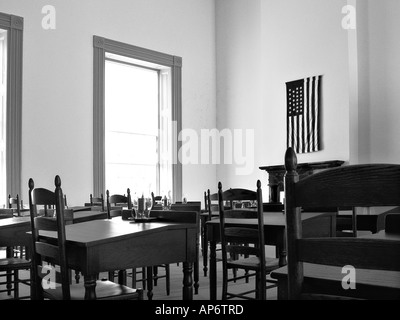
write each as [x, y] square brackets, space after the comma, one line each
[14, 26]
[100, 47]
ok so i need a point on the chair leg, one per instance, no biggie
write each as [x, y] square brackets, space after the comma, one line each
[168, 285]
[9, 280]
[258, 285]
[224, 284]
[234, 271]
[16, 284]
[155, 273]
[134, 278]
[144, 272]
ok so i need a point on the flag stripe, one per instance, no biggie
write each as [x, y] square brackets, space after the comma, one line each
[316, 133]
[313, 113]
[307, 114]
[303, 114]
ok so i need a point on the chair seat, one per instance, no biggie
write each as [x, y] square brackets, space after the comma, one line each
[252, 263]
[105, 290]
[7, 264]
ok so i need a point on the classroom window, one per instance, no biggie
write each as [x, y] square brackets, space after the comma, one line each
[136, 119]
[11, 29]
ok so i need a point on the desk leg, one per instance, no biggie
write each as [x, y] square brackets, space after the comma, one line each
[150, 283]
[122, 277]
[282, 289]
[90, 287]
[187, 290]
[213, 270]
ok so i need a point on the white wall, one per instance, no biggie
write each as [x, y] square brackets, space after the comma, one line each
[261, 44]
[360, 152]
[237, 56]
[305, 39]
[57, 80]
[239, 86]
[384, 87]
[378, 62]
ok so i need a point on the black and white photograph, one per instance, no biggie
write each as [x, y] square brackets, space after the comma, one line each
[200, 155]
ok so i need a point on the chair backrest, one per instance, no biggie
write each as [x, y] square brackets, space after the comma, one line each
[97, 201]
[205, 202]
[211, 203]
[237, 197]
[14, 203]
[239, 239]
[156, 202]
[65, 201]
[347, 186]
[54, 252]
[117, 200]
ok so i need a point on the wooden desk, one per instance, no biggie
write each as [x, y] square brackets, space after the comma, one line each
[277, 172]
[13, 232]
[315, 224]
[107, 245]
[85, 215]
[370, 284]
[373, 220]
[13, 229]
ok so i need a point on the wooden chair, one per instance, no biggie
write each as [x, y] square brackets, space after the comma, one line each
[115, 204]
[244, 248]
[179, 216]
[363, 185]
[65, 201]
[212, 207]
[97, 201]
[15, 204]
[235, 198]
[156, 202]
[156, 206]
[239, 197]
[211, 203]
[191, 206]
[56, 252]
[14, 262]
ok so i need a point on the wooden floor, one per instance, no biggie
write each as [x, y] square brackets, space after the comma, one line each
[159, 291]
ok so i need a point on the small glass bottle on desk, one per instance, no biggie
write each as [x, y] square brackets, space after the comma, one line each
[140, 210]
[165, 203]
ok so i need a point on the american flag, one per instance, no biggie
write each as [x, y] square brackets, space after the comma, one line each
[303, 102]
